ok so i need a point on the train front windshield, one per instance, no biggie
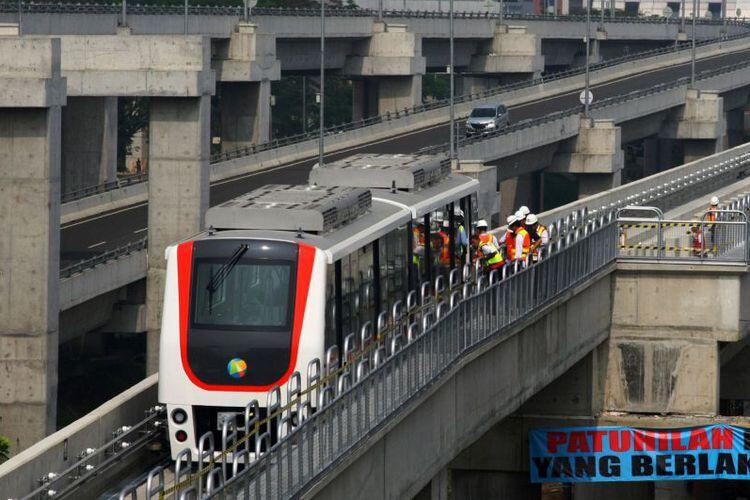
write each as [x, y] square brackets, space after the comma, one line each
[241, 311]
[252, 295]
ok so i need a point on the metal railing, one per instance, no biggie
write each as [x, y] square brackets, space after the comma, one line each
[719, 236]
[90, 462]
[115, 253]
[238, 10]
[442, 103]
[125, 180]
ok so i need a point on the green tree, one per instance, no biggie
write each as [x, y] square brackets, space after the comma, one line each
[435, 86]
[4, 449]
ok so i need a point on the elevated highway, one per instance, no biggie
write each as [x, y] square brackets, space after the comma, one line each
[107, 231]
[488, 349]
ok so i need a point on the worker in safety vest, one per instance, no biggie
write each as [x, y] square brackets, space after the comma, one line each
[445, 247]
[539, 236]
[488, 254]
[417, 246]
[508, 236]
[520, 246]
[484, 235]
[696, 243]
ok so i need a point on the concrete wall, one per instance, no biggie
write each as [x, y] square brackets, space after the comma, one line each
[479, 391]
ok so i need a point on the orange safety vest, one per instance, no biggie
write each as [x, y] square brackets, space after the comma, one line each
[526, 245]
[711, 215]
[445, 251]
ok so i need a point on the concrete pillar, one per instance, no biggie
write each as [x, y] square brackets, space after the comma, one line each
[488, 199]
[700, 124]
[512, 51]
[245, 66]
[475, 84]
[667, 324]
[399, 92]
[391, 59]
[245, 110]
[178, 192]
[595, 156]
[89, 142]
[30, 118]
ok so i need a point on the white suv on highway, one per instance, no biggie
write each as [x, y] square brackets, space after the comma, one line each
[487, 118]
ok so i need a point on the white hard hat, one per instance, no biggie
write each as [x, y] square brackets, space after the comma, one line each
[524, 210]
[482, 223]
[520, 215]
[714, 200]
[446, 223]
[531, 219]
[511, 219]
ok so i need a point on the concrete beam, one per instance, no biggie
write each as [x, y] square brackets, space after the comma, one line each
[160, 66]
[30, 248]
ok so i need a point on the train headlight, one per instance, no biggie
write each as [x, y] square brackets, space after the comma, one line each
[179, 416]
[181, 436]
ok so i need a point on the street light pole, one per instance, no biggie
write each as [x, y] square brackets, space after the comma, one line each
[451, 71]
[321, 125]
[186, 17]
[692, 49]
[304, 104]
[124, 13]
[601, 22]
[588, 54]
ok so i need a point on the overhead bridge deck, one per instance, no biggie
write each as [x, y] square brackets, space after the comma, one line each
[486, 348]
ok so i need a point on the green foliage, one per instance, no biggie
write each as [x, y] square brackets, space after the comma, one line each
[435, 86]
[287, 113]
[4, 449]
[132, 116]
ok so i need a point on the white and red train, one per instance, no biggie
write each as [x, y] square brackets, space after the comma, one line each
[284, 272]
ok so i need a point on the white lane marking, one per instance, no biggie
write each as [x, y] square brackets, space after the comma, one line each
[140, 230]
[97, 244]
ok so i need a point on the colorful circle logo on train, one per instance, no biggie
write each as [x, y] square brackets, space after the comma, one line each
[237, 368]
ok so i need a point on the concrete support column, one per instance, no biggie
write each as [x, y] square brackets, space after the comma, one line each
[398, 92]
[245, 66]
[700, 124]
[474, 84]
[595, 155]
[245, 110]
[178, 192]
[89, 142]
[488, 199]
[667, 324]
[390, 60]
[512, 51]
[30, 118]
